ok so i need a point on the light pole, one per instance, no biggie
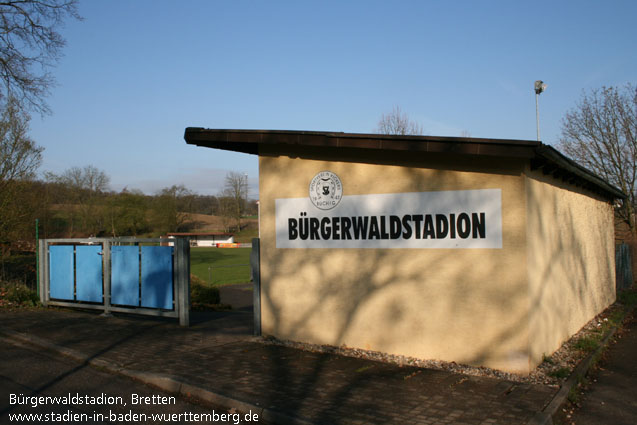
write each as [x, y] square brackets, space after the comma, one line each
[539, 88]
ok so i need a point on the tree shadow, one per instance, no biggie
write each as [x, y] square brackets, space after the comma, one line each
[478, 307]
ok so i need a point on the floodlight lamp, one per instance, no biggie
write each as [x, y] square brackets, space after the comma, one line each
[539, 86]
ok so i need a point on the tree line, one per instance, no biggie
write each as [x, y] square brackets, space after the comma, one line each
[78, 203]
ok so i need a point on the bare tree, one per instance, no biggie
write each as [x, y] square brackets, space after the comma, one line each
[85, 186]
[89, 179]
[30, 45]
[227, 211]
[20, 157]
[235, 193]
[398, 122]
[601, 134]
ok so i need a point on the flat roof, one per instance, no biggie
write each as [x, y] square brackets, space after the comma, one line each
[542, 156]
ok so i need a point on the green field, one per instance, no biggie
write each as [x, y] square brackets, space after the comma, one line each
[220, 266]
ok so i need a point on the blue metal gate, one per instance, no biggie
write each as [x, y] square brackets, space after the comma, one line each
[125, 275]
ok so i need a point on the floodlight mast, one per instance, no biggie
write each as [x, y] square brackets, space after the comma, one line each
[539, 88]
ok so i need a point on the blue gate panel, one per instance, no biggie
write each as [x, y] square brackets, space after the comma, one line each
[61, 272]
[157, 277]
[125, 275]
[88, 273]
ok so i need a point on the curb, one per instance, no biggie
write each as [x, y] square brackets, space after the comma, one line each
[166, 383]
[545, 417]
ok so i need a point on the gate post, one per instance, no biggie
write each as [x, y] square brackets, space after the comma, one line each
[182, 279]
[106, 251]
[43, 272]
[255, 265]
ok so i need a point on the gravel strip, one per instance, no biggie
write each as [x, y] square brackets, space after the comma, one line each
[553, 371]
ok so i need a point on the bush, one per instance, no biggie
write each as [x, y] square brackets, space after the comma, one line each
[201, 293]
[13, 293]
[19, 267]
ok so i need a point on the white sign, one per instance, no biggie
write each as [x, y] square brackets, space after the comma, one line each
[446, 219]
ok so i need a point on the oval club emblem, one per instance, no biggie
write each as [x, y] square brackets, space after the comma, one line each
[326, 190]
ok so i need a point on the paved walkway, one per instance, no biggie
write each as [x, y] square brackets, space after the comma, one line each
[612, 398]
[218, 355]
[28, 371]
[238, 296]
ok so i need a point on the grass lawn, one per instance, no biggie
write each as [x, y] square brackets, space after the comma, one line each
[218, 259]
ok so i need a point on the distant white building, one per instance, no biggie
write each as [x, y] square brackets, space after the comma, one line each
[202, 239]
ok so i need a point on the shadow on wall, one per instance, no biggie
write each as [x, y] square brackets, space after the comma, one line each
[571, 252]
[399, 301]
[484, 303]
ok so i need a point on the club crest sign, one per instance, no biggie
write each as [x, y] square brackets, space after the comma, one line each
[326, 190]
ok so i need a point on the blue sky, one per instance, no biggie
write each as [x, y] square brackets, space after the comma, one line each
[137, 73]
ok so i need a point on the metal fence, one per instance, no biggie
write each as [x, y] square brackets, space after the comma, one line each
[623, 266]
[130, 275]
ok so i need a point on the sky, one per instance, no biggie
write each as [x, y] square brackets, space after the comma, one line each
[135, 74]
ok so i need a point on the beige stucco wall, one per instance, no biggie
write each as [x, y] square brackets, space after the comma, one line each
[571, 260]
[464, 305]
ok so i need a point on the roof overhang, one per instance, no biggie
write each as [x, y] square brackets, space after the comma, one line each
[249, 141]
[541, 156]
[198, 234]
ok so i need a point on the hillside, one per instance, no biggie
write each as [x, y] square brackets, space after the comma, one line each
[214, 224]
[58, 223]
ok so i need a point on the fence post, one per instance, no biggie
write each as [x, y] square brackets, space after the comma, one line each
[255, 265]
[37, 257]
[43, 263]
[182, 279]
[106, 251]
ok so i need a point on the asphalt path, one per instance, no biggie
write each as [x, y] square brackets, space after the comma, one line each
[612, 395]
[35, 381]
[238, 296]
